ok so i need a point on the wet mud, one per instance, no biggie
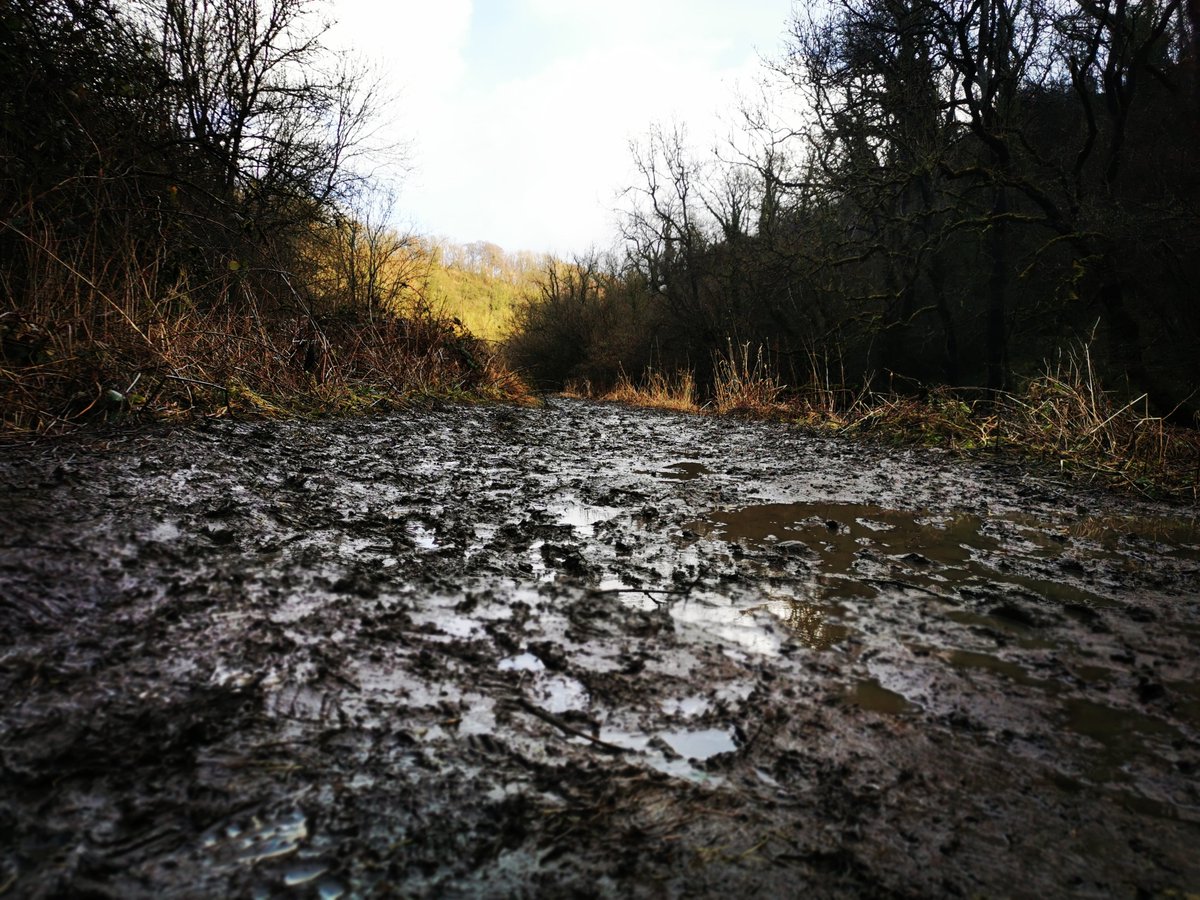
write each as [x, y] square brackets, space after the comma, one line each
[586, 650]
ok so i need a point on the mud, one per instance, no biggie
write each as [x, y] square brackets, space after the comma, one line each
[586, 650]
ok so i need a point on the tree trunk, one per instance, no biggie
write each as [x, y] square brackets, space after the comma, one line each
[997, 319]
[1124, 334]
[937, 278]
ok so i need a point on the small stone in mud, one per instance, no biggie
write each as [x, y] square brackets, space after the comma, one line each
[1014, 613]
[1149, 691]
[1084, 613]
[221, 510]
[359, 587]
[566, 558]
[219, 536]
[551, 654]
[633, 665]
[788, 548]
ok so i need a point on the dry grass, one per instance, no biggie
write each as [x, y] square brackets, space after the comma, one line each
[746, 384]
[656, 389]
[113, 339]
[1063, 416]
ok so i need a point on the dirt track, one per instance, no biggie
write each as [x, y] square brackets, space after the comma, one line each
[586, 650]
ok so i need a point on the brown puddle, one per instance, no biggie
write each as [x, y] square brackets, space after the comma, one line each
[1174, 536]
[1124, 735]
[840, 531]
[870, 695]
[1187, 706]
[684, 471]
[964, 659]
[859, 543]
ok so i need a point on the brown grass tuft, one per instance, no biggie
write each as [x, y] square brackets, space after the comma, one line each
[746, 384]
[1063, 415]
[124, 341]
[657, 389]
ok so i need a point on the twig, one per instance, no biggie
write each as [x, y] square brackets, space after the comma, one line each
[563, 726]
[682, 592]
[208, 384]
[74, 271]
[900, 583]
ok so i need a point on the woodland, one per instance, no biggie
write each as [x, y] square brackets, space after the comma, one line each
[956, 193]
[192, 222]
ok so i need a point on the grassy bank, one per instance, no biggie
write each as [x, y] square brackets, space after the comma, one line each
[61, 374]
[216, 365]
[81, 350]
[195, 219]
[1063, 418]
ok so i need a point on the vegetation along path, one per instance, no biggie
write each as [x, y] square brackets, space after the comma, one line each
[586, 649]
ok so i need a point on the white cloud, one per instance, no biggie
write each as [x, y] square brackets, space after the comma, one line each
[536, 162]
[417, 48]
[560, 140]
[414, 41]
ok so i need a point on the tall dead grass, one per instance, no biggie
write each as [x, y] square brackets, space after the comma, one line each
[89, 337]
[746, 383]
[1063, 416]
[658, 390]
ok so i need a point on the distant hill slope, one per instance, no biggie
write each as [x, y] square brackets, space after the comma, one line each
[479, 283]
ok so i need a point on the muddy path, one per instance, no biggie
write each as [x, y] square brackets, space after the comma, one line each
[586, 650]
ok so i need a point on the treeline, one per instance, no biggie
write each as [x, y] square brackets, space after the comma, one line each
[486, 259]
[185, 221]
[478, 283]
[961, 190]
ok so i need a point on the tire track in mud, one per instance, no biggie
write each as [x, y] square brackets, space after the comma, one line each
[586, 649]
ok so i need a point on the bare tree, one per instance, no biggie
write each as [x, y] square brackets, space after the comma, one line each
[937, 117]
[263, 104]
[374, 266]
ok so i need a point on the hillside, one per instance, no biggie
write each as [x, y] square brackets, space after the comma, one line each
[477, 283]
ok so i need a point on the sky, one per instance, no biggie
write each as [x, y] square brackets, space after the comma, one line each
[518, 114]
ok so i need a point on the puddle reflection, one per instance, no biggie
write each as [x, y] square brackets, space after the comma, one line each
[423, 537]
[699, 745]
[808, 622]
[1122, 736]
[582, 517]
[870, 695]
[1113, 534]
[726, 622]
[855, 542]
[684, 471]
